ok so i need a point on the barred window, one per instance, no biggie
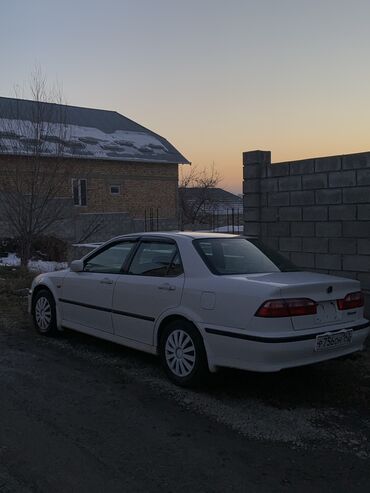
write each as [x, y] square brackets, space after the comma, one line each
[79, 191]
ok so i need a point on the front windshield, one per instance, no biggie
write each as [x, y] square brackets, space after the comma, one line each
[240, 256]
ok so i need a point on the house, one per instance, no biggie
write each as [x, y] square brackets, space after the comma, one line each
[111, 168]
[214, 207]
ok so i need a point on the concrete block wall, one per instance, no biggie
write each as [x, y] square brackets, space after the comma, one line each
[315, 211]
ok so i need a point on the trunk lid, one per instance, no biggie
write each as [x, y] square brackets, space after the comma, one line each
[325, 290]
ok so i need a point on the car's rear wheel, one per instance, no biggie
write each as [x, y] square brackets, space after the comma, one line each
[44, 313]
[182, 353]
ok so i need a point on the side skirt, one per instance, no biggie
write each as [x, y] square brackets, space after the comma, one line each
[107, 336]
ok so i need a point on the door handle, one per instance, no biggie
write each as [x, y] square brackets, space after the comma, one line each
[106, 281]
[167, 287]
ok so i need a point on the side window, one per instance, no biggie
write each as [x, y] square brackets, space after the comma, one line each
[175, 268]
[110, 260]
[156, 259]
[79, 191]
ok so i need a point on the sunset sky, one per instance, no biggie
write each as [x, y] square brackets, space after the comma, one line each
[214, 77]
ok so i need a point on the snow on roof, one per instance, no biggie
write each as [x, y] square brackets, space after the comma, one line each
[71, 131]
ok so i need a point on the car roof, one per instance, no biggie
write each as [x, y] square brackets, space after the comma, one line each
[179, 234]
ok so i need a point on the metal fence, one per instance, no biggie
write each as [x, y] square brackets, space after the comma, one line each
[229, 220]
[151, 219]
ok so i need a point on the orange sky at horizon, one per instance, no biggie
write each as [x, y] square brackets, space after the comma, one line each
[284, 147]
[232, 172]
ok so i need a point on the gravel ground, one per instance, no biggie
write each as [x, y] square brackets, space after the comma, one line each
[79, 414]
[322, 406]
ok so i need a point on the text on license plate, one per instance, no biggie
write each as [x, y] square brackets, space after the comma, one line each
[332, 341]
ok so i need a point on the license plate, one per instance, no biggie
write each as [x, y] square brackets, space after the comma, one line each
[324, 342]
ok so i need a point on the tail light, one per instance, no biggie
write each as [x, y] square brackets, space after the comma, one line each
[352, 300]
[290, 307]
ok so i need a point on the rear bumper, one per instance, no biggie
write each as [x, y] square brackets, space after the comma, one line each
[269, 354]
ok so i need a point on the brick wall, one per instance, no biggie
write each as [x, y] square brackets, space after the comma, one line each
[143, 186]
[315, 211]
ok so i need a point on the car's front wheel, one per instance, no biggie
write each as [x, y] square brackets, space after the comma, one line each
[44, 313]
[182, 353]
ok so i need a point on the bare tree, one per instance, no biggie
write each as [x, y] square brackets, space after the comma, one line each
[94, 226]
[195, 200]
[34, 177]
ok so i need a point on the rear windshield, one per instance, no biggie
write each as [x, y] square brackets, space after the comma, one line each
[225, 256]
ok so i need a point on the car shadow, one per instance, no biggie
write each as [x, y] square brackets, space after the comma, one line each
[342, 382]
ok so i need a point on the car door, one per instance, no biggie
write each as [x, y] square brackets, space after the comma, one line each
[153, 283]
[87, 296]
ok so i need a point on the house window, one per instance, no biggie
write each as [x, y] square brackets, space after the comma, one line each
[115, 189]
[79, 191]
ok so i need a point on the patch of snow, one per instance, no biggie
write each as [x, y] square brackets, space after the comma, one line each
[33, 265]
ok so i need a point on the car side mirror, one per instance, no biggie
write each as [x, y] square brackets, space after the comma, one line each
[77, 266]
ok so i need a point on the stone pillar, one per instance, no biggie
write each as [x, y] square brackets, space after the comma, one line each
[254, 169]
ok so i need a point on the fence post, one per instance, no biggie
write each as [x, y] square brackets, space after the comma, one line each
[254, 170]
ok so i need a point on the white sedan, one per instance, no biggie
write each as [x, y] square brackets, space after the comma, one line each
[203, 301]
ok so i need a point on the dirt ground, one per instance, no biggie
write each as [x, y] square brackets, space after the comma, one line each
[79, 414]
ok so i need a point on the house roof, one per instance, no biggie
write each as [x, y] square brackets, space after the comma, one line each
[80, 133]
[213, 199]
[213, 194]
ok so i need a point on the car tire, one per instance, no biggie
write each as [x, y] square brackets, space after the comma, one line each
[182, 354]
[44, 313]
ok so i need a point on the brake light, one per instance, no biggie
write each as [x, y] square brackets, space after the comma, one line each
[352, 300]
[289, 307]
